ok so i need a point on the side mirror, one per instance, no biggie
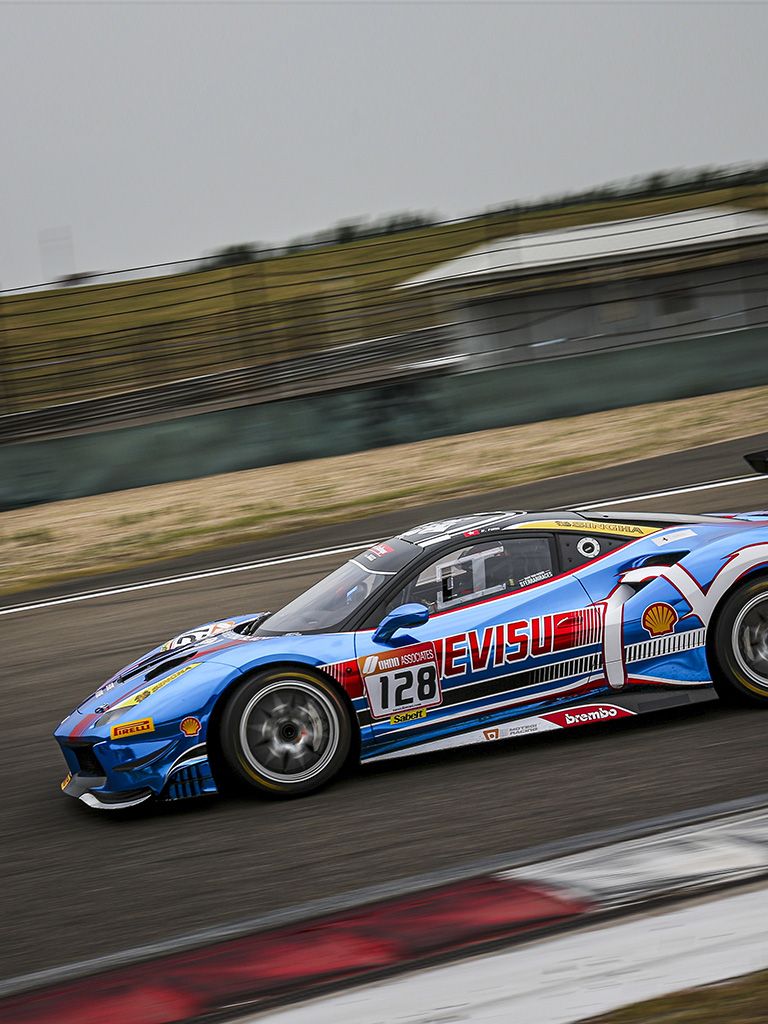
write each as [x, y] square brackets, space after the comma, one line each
[405, 616]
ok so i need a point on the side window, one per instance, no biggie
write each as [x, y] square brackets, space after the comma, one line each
[579, 548]
[479, 570]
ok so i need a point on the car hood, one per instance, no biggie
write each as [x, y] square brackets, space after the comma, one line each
[169, 662]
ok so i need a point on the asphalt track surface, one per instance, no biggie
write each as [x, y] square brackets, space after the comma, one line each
[77, 884]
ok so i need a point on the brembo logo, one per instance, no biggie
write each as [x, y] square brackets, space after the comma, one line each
[587, 714]
[590, 716]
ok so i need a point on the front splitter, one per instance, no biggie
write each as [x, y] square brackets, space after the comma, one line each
[85, 787]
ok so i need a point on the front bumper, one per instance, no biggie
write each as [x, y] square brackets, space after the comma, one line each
[102, 778]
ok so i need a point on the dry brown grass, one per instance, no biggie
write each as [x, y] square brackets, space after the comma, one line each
[741, 1001]
[128, 528]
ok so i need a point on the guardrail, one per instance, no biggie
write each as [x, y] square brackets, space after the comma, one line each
[413, 403]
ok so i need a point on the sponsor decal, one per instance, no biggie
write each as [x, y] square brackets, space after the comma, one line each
[702, 599]
[587, 714]
[463, 525]
[440, 526]
[536, 577]
[525, 728]
[407, 716]
[127, 729]
[190, 726]
[402, 679]
[477, 650]
[66, 780]
[629, 530]
[659, 618]
[492, 734]
[196, 636]
[588, 547]
[378, 551]
[137, 698]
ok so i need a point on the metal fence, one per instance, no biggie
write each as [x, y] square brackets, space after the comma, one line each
[338, 316]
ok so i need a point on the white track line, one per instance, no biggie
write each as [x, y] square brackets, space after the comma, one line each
[709, 486]
[225, 570]
[222, 570]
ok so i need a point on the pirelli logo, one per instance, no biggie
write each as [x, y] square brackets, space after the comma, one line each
[126, 729]
[407, 716]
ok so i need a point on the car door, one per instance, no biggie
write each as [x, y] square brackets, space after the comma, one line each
[505, 634]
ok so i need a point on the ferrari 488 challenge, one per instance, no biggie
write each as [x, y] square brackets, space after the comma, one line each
[472, 629]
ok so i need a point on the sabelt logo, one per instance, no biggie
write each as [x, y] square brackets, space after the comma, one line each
[587, 714]
[407, 716]
[126, 729]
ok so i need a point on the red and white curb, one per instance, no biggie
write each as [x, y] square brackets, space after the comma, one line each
[673, 863]
[563, 979]
[407, 931]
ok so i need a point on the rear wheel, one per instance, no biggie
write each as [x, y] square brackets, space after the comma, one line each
[741, 645]
[285, 732]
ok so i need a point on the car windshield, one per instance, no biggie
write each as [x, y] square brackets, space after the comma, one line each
[327, 605]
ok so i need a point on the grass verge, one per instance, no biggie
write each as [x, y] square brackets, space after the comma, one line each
[99, 534]
[742, 1001]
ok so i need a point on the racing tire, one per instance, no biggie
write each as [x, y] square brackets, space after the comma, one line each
[740, 646]
[284, 732]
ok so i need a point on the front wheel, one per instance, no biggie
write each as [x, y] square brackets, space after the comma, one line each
[741, 645]
[284, 732]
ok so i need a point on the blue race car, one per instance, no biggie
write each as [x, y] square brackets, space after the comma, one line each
[473, 629]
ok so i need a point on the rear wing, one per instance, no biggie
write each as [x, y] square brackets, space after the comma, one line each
[758, 461]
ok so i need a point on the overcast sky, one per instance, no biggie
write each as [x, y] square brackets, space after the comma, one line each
[161, 131]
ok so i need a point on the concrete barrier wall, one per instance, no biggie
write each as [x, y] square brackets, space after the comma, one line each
[360, 418]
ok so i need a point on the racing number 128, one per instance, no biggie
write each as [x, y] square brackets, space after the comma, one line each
[389, 692]
[426, 688]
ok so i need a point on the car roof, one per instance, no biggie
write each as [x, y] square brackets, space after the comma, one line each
[618, 523]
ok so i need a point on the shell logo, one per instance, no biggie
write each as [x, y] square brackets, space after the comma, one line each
[190, 726]
[659, 618]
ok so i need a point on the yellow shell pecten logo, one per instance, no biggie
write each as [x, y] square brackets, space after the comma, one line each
[659, 618]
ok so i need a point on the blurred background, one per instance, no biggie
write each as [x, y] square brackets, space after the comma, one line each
[540, 260]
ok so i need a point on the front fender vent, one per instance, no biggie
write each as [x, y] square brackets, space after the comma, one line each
[166, 666]
[661, 558]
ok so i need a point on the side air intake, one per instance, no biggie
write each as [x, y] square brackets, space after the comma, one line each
[758, 461]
